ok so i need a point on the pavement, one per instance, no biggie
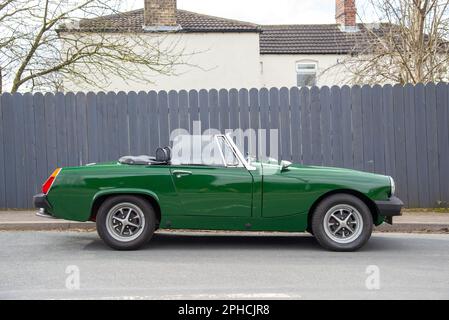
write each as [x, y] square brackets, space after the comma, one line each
[414, 221]
[203, 266]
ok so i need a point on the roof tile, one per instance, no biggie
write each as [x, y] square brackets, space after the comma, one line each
[274, 39]
[132, 21]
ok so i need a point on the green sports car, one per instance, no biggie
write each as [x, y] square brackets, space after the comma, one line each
[133, 197]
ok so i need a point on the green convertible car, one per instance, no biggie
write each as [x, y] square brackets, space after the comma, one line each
[133, 197]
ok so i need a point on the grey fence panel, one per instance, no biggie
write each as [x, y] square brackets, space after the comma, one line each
[81, 128]
[173, 109]
[399, 140]
[254, 112]
[346, 136]
[50, 124]
[204, 110]
[432, 144]
[421, 145]
[223, 104]
[113, 126]
[133, 117]
[92, 128]
[274, 142]
[194, 110]
[70, 119]
[357, 127]
[367, 122]
[315, 125]
[284, 114]
[214, 117]
[244, 109]
[122, 124]
[142, 121]
[183, 100]
[81, 117]
[306, 139]
[339, 149]
[295, 124]
[233, 109]
[164, 139]
[154, 120]
[443, 141]
[244, 118]
[31, 186]
[264, 107]
[325, 105]
[101, 125]
[61, 130]
[400, 131]
[378, 130]
[9, 152]
[19, 148]
[41, 138]
[2, 156]
[410, 145]
[388, 120]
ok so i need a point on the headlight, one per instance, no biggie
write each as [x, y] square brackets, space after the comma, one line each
[392, 186]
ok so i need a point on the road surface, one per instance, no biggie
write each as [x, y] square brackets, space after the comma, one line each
[52, 265]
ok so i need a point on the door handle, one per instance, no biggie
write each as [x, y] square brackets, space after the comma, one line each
[180, 173]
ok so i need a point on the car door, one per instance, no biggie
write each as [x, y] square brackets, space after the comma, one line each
[215, 190]
[285, 193]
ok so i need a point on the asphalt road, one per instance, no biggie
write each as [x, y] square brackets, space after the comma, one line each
[208, 266]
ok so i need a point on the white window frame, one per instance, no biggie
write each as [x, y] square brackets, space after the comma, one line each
[307, 71]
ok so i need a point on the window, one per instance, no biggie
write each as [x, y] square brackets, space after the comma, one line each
[196, 150]
[306, 73]
[204, 150]
[230, 158]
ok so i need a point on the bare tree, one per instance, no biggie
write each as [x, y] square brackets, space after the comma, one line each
[42, 42]
[409, 46]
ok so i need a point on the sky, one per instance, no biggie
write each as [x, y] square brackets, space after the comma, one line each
[269, 11]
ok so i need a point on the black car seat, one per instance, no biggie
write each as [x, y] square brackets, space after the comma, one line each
[163, 155]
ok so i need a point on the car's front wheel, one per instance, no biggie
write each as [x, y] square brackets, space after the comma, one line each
[342, 222]
[126, 222]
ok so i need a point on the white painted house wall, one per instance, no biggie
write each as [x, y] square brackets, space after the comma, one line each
[223, 60]
[279, 70]
[228, 60]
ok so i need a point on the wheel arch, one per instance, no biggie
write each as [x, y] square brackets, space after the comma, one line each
[369, 203]
[148, 196]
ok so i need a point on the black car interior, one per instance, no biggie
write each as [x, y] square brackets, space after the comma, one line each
[163, 157]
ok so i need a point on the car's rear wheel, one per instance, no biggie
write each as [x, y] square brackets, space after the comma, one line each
[342, 222]
[126, 222]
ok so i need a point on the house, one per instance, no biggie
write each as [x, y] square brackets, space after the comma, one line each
[235, 54]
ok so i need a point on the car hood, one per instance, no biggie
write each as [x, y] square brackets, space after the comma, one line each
[338, 171]
[324, 174]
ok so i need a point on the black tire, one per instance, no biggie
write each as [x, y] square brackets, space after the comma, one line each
[362, 235]
[106, 233]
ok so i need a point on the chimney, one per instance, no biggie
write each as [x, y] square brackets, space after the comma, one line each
[345, 14]
[160, 15]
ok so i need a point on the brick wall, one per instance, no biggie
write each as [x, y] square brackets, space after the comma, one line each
[346, 12]
[160, 13]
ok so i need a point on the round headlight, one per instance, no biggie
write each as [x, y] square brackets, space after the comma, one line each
[392, 186]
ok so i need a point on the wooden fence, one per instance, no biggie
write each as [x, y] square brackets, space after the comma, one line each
[400, 131]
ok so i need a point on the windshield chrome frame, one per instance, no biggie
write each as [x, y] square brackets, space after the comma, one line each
[237, 152]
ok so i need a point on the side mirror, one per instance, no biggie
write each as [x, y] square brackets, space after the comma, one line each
[285, 164]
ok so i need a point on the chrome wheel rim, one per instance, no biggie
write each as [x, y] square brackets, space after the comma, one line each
[343, 223]
[125, 222]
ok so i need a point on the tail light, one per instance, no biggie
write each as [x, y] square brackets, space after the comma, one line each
[47, 185]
